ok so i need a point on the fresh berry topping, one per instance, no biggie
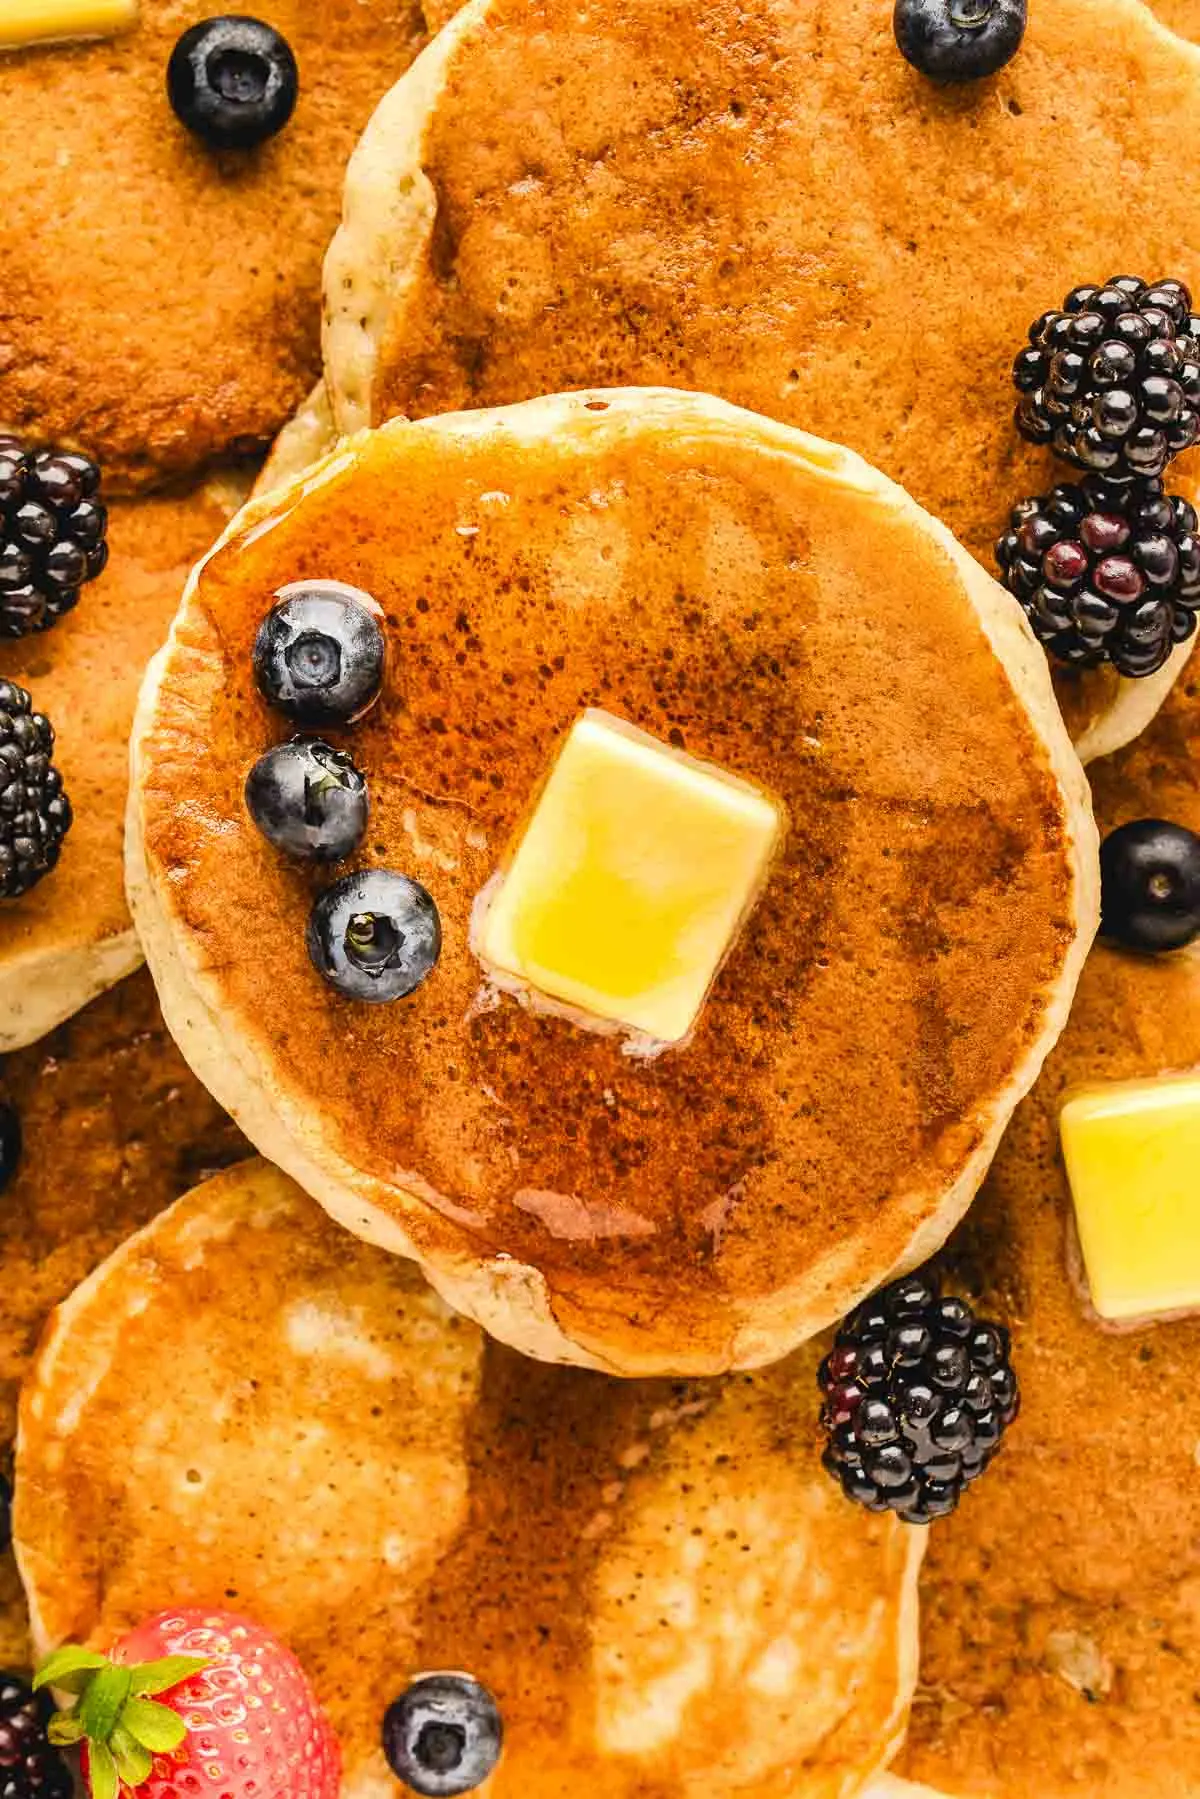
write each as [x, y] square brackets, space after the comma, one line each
[1112, 380]
[179, 1707]
[319, 653]
[935, 1394]
[308, 800]
[375, 935]
[30, 1768]
[959, 40]
[51, 535]
[35, 813]
[1150, 885]
[233, 81]
[10, 1149]
[443, 1735]
[1106, 572]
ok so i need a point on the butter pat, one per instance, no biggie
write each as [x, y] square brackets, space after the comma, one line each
[60, 21]
[631, 878]
[1133, 1161]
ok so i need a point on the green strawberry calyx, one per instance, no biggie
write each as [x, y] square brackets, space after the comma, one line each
[115, 1712]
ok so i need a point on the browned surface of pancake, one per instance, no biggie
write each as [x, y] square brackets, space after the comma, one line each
[85, 675]
[762, 200]
[885, 993]
[1181, 15]
[160, 299]
[115, 1129]
[658, 1581]
[1061, 1604]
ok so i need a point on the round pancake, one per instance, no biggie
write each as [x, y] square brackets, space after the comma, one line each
[746, 593]
[160, 298]
[71, 936]
[766, 202]
[658, 1581]
[1061, 1610]
[115, 1129]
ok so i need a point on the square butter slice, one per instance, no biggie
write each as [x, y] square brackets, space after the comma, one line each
[632, 876]
[1132, 1152]
[62, 21]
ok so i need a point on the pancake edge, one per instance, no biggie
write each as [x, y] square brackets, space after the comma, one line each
[508, 1298]
[41, 988]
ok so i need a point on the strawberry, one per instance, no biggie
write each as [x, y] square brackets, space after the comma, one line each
[191, 1697]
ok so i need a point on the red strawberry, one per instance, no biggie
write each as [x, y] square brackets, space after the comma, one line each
[235, 1711]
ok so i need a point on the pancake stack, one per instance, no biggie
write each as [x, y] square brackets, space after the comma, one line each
[576, 1205]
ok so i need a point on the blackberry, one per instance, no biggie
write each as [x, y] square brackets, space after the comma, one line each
[30, 1768]
[918, 1393]
[35, 813]
[1106, 571]
[1113, 380]
[52, 538]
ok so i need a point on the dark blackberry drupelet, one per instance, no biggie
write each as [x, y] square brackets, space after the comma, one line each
[1106, 572]
[918, 1393]
[1112, 380]
[30, 1768]
[35, 813]
[52, 534]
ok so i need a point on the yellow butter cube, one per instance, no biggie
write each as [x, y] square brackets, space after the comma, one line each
[631, 878]
[59, 21]
[1132, 1152]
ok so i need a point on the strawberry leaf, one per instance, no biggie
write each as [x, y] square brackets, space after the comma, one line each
[64, 1730]
[68, 1668]
[100, 1707]
[102, 1772]
[156, 1727]
[171, 1671]
[133, 1762]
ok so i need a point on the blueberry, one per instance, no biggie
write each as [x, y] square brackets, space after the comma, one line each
[959, 40]
[10, 1143]
[443, 1735]
[233, 81]
[1150, 885]
[319, 653]
[375, 935]
[309, 800]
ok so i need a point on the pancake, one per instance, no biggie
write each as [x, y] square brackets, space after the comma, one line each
[1182, 16]
[744, 593]
[766, 202]
[71, 936]
[115, 1129]
[1061, 1606]
[658, 1581]
[160, 305]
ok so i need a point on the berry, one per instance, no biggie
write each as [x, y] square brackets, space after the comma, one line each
[1112, 381]
[319, 653]
[443, 1735]
[1106, 571]
[959, 40]
[308, 800]
[10, 1143]
[178, 1707]
[375, 935]
[30, 1768]
[51, 535]
[35, 813]
[233, 81]
[1150, 885]
[918, 1393]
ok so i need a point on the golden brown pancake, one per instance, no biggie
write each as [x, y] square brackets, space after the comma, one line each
[764, 201]
[1182, 16]
[159, 297]
[115, 1129]
[1061, 1604]
[658, 1581]
[744, 593]
[71, 935]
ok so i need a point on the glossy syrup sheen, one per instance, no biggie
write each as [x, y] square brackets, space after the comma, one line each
[760, 617]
